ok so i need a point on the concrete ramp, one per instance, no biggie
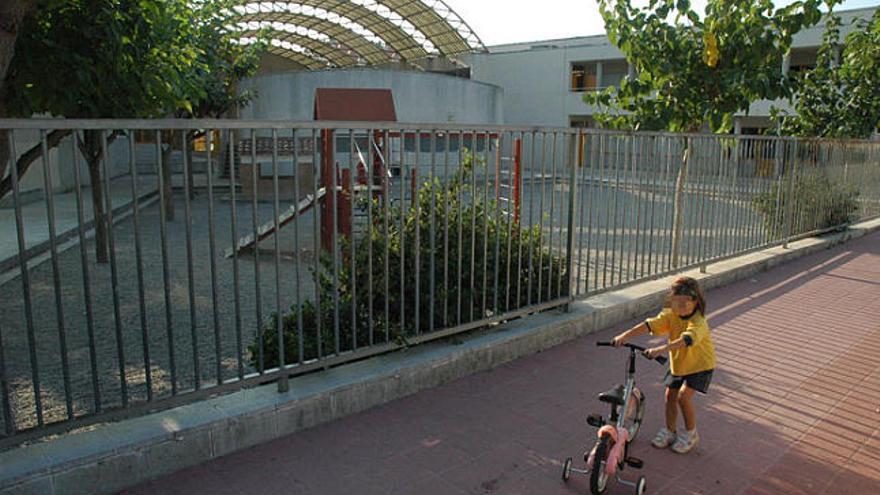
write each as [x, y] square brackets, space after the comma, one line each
[248, 242]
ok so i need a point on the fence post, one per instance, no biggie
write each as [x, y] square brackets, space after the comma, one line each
[517, 178]
[789, 199]
[572, 201]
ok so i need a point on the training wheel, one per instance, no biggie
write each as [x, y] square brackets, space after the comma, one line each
[566, 469]
[640, 485]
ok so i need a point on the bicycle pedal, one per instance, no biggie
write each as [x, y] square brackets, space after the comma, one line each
[596, 420]
[634, 463]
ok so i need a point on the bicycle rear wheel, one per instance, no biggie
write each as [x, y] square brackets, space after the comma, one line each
[598, 474]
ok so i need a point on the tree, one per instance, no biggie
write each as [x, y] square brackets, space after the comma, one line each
[694, 71]
[111, 59]
[223, 63]
[840, 97]
[12, 15]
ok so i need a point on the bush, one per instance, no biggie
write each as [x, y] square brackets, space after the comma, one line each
[819, 203]
[483, 228]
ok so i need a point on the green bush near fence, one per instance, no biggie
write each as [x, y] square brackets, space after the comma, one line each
[465, 264]
[818, 203]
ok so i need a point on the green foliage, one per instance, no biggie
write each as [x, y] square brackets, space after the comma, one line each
[696, 70]
[125, 58]
[840, 97]
[818, 203]
[484, 228]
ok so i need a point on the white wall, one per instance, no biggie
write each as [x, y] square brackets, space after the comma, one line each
[419, 97]
[61, 162]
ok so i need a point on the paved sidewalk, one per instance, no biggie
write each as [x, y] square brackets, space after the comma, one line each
[794, 408]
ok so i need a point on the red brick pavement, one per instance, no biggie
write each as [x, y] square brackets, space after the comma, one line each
[793, 409]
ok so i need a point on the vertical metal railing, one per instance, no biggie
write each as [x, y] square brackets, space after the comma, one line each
[342, 241]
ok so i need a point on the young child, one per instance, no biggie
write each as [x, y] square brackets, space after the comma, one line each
[692, 358]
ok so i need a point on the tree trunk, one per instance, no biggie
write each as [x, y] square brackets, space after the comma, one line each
[678, 218]
[12, 15]
[188, 156]
[173, 141]
[91, 148]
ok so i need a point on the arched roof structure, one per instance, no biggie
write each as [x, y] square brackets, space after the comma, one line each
[346, 33]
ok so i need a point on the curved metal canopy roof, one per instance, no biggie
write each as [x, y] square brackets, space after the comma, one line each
[345, 33]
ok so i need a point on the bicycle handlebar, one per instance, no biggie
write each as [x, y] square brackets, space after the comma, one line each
[633, 347]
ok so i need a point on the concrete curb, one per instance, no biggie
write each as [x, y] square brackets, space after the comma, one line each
[111, 457]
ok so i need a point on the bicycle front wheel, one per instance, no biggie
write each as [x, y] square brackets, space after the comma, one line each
[598, 474]
[635, 412]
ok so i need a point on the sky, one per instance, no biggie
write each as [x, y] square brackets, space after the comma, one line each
[509, 21]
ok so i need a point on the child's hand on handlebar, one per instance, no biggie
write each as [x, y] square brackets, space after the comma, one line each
[618, 340]
[655, 351]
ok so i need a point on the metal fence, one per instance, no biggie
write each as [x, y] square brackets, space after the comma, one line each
[233, 253]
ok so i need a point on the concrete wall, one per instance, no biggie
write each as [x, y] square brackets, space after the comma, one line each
[61, 163]
[419, 97]
[535, 78]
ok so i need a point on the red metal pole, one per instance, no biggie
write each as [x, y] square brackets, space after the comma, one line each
[345, 204]
[329, 194]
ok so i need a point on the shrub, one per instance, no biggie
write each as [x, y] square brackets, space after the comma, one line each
[818, 201]
[459, 292]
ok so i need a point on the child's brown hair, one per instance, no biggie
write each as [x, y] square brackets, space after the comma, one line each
[687, 286]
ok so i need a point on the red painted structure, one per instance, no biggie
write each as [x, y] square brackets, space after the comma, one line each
[350, 105]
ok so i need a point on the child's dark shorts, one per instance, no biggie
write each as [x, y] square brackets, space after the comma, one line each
[698, 381]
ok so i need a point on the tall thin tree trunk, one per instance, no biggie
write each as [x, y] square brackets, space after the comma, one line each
[93, 153]
[188, 156]
[678, 218]
[173, 141]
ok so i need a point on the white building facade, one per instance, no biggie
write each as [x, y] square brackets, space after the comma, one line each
[544, 81]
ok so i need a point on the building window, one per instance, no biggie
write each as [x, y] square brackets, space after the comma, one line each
[583, 76]
[613, 73]
[802, 60]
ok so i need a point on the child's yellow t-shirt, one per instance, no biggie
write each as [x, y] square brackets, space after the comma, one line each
[699, 354]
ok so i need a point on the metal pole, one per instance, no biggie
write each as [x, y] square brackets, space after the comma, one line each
[352, 238]
[114, 277]
[317, 180]
[255, 223]
[145, 341]
[572, 204]
[87, 290]
[25, 281]
[193, 324]
[56, 274]
[212, 252]
[433, 191]
[234, 231]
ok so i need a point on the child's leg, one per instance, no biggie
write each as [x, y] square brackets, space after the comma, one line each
[685, 395]
[672, 399]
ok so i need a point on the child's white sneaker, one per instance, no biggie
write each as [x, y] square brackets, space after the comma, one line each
[664, 438]
[685, 442]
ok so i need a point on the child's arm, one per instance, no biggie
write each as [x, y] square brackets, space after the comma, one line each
[668, 347]
[640, 329]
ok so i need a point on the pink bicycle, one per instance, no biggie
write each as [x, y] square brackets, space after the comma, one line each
[610, 453]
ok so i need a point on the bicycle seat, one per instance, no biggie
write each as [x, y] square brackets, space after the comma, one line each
[613, 396]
